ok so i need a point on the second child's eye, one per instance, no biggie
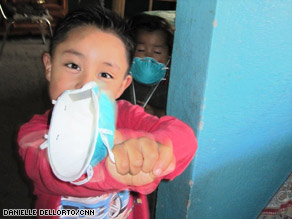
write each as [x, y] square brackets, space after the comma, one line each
[105, 75]
[73, 66]
[140, 50]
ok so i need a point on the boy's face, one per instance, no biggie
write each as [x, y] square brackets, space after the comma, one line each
[152, 44]
[88, 54]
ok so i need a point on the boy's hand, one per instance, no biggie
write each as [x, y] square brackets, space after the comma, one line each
[140, 161]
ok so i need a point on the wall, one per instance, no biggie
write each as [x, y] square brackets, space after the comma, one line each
[231, 81]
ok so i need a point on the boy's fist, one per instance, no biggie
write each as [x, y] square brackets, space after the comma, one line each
[140, 161]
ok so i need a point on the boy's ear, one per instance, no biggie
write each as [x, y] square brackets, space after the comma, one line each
[48, 65]
[126, 83]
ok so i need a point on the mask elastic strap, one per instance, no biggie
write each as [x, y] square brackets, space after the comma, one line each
[103, 133]
[89, 174]
[166, 65]
[152, 92]
[134, 100]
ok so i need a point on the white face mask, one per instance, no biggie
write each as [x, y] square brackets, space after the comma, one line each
[81, 132]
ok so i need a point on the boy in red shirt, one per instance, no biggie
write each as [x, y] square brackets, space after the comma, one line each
[93, 45]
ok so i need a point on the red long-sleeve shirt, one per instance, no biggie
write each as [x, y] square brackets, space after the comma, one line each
[131, 121]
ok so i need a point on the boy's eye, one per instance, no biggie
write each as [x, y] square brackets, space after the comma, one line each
[73, 66]
[105, 75]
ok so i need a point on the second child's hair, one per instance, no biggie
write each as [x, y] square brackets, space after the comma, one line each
[151, 23]
[98, 17]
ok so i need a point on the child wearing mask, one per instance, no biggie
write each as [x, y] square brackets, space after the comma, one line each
[153, 37]
[93, 45]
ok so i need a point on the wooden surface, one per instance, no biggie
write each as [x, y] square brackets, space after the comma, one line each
[119, 6]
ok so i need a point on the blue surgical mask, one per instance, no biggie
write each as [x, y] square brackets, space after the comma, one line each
[147, 70]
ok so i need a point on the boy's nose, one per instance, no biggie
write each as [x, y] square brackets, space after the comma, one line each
[85, 78]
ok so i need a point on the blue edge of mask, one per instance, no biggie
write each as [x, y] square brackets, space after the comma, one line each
[106, 110]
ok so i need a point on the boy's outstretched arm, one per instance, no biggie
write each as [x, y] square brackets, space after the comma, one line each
[133, 123]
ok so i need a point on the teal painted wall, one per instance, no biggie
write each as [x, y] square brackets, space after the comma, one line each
[231, 80]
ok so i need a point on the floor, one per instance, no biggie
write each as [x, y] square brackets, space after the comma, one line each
[23, 92]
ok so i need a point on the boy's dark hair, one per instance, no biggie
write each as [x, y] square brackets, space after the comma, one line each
[99, 17]
[151, 23]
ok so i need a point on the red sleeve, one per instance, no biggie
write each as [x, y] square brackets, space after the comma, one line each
[183, 139]
[30, 137]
